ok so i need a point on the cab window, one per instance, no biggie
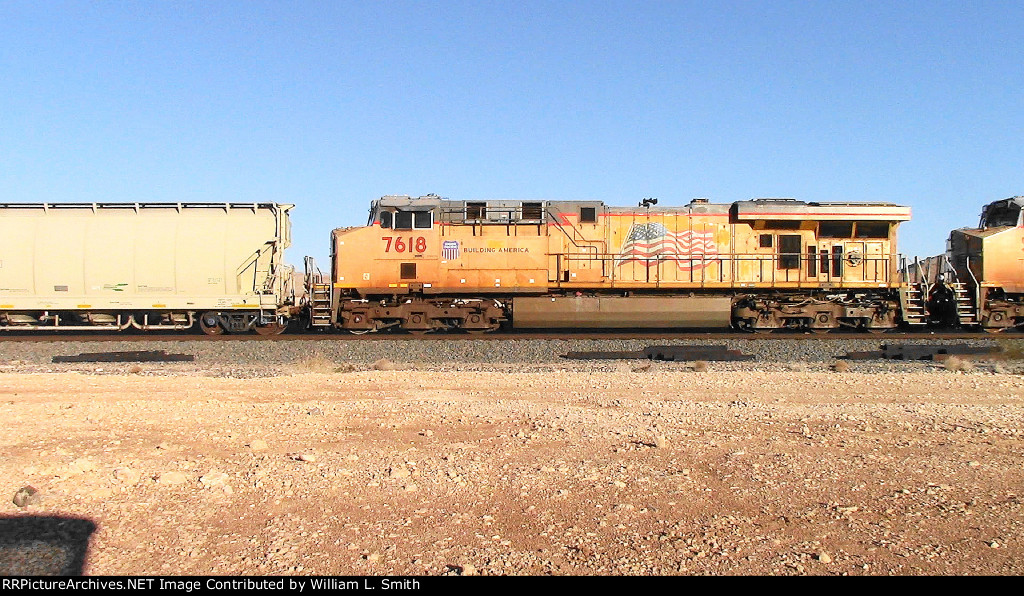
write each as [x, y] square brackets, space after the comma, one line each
[408, 220]
[872, 229]
[403, 220]
[835, 229]
[385, 219]
[422, 220]
[789, 251]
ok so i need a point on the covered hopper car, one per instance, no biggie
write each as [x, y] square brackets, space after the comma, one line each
[149, 266]
[430, 263]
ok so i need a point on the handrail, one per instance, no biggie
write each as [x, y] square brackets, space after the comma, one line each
[871, 269]
[922, 276]
[977, 287]
[510, 211]
[312, 274]
[948, 267]
[252, 261]
[577, 231]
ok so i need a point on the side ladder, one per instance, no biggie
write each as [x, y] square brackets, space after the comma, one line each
[320, 305]
[965, 310]
[319, 294]
[912, 304]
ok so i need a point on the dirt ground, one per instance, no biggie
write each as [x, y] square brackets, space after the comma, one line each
[519, 471]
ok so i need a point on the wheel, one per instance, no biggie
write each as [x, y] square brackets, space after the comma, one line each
[210, 324]
[272, 329]
[826, 322]
[746, 325]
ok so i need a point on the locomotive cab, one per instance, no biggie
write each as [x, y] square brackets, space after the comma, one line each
[402, 213]
[1002, 214]
[395, 253]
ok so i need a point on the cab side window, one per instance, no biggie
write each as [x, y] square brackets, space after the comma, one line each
[403, 220]
[835, 229]
[409, 220]
[872, 229]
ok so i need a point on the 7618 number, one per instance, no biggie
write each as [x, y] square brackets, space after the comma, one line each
[410, 244]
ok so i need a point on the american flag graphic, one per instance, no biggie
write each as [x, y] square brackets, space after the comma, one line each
[450, 250]
[652, 243]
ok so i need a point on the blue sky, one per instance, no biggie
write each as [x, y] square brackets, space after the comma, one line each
[329, 105]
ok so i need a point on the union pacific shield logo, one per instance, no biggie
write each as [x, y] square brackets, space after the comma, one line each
[450, 250]
[653, 243]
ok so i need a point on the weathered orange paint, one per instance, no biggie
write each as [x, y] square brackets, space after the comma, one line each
[563, 253]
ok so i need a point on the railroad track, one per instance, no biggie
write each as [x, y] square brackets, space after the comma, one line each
[505, 336]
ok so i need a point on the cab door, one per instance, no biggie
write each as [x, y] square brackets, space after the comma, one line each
[876, 263]
[790, 256]
[830, 261]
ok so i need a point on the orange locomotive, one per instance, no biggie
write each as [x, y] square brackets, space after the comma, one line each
[981, 281]
[430, 263]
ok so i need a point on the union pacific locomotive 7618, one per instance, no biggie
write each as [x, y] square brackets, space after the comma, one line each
[430, 263]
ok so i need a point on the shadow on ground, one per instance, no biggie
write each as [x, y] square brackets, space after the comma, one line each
[43, 545]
